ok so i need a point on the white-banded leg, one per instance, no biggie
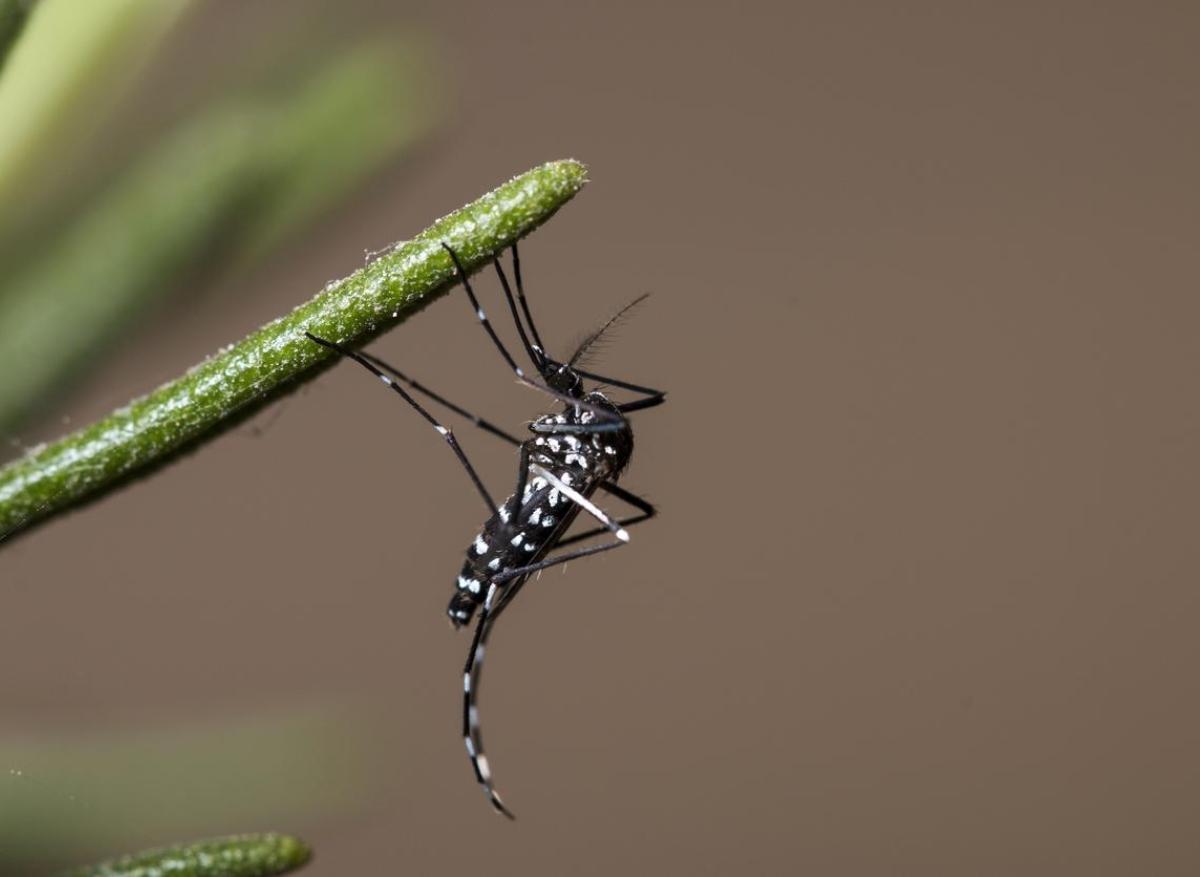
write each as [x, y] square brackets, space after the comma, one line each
[516, 261]
[486, 425]
[645, 509]
[535, 353]
[472, 735]
[442, 430]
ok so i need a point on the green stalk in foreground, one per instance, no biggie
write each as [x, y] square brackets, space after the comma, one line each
[250, 855]
[227, 387]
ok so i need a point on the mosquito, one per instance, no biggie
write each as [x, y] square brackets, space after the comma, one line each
[572, 453]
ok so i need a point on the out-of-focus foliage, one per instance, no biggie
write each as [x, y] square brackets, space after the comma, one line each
[60, 77]
[100, 220]
[228, 184]
[69, 798]
[12, 18]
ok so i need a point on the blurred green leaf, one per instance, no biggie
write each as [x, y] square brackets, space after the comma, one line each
[249, 855]
[234, 180]
[63, 799]
[70, 61]
[12, 18]
[363, 108]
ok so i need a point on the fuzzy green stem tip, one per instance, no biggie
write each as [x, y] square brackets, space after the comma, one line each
[248, 855]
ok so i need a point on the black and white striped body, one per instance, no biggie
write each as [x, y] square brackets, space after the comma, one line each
[520, 534]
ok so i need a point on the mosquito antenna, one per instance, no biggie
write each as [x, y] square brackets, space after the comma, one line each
[595, 336]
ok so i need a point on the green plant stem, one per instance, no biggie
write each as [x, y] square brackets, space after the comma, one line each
[226, 387]
[249, 855]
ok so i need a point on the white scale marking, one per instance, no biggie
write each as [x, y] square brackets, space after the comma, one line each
[583, 502]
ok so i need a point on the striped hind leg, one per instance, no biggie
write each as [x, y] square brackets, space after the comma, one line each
[472, 736]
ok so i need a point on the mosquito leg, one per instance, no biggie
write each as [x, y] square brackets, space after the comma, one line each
[654, 397]
[642, 404]
[472, 735]
[534, 354]
[624, 385]
[516, 260]
[444, 431]
[575, 428]
[485, 425]
[600, 413]
[510, 574]
[647, 511]
[512, 508]
[479, 312]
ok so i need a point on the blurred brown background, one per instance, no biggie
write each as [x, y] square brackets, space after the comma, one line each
[922, 597]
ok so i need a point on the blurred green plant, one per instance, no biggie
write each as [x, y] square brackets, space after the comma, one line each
[224, 389]
[71, 60]
[12, 18]
[72, 796]
[248, 855]
[240, 176]
[229, 184]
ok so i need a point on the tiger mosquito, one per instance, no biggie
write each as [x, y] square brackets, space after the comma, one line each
[572, 453]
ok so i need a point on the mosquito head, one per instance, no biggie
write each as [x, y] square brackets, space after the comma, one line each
[562, 378]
